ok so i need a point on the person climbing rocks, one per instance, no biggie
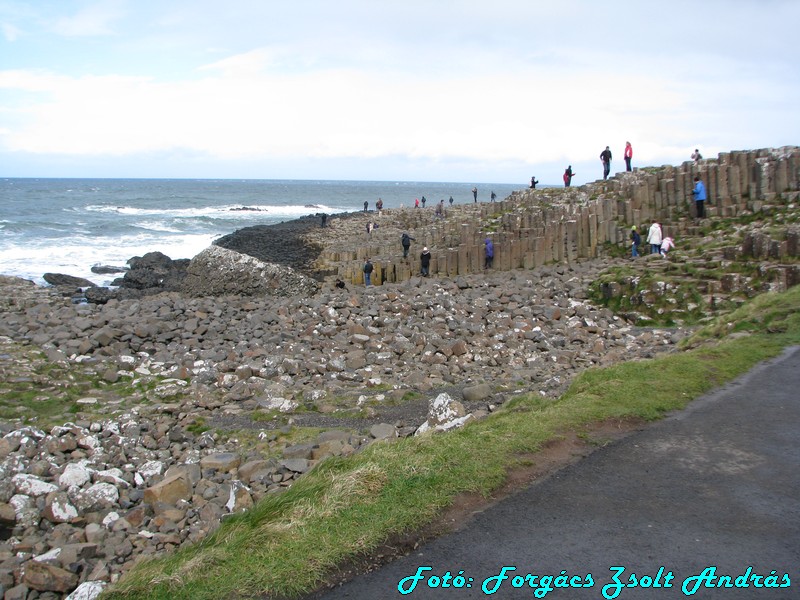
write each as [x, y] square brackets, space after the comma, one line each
[406, 240]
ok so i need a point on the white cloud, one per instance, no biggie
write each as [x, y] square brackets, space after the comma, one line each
[11, 33]
[507, 83]
[94, 20]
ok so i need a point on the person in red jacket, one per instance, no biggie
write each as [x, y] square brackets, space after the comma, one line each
[628, 155]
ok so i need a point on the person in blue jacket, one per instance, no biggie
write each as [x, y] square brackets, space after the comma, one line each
[699, 193]
[489, 254]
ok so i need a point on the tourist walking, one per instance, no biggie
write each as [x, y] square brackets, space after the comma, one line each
[487, 263]
[425, 262]
[367, 272]
[475, 194]
[636, 239]
[416, 202]
[654, 238]
[423, 201]
[379, 205]
[406, 240]
[628, 155]
[699, 193]
[493, 196]
[533, 182]
[568, 175]
[605, 158]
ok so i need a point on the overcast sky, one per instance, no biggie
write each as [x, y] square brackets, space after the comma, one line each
[483, 91]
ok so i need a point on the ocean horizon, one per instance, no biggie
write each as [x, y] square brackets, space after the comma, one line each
[69, 225]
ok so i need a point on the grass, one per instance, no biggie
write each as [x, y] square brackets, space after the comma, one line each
[349, 506]
[48, 392]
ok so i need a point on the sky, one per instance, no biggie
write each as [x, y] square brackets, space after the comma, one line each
[412, 90]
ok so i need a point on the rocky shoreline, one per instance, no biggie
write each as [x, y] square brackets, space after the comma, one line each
[180, 410]
[135, 422]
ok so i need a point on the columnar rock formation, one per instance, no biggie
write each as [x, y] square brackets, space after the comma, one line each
[535, 227]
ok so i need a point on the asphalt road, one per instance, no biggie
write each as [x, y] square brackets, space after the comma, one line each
[708, 492]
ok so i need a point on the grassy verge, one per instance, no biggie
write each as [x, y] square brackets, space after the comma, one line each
[346, 507]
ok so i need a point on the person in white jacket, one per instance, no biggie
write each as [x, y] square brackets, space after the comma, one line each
[654, 238]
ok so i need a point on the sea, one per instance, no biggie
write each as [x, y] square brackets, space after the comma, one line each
[68, 226]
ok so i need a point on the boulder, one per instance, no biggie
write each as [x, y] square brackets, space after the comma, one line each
[170, 490]
[47, 578]
[59, 279]
[218, 271]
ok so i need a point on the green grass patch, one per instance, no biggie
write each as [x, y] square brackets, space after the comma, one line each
[346, 507]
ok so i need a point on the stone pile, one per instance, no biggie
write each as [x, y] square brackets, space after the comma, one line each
[129, 476]
[79, 502]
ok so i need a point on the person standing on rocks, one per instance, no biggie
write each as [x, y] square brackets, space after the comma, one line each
[379, 205]
[366, 205]
[699, 193]
[605, 158]
[696, 156]
[406, 240]
[324, 219]
[533, 182]
[367, 273]
[568, 175]
[487, 264]
[636, 239]
[451, 201]
[628, 155]
[493, 196]
[425, 262]
[475, 194]
[654, 238]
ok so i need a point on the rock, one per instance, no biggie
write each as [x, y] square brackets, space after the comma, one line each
[30, 485]
[8, 515]
[297, 465]
[170, 490]
[221, 461]
[476, 393]
[59, 279]
[88, 590]
[383, 431]
[47, 578]
[218, 271]
[59, 509]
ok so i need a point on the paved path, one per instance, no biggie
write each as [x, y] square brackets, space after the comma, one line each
[717, 485]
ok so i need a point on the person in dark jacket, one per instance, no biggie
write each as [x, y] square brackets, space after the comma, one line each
[605, 158]
[368, 273]
[636, 239]
[568, 175]
[406, 242]
[425, 262]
